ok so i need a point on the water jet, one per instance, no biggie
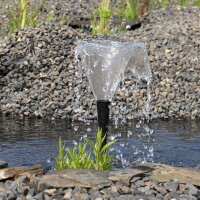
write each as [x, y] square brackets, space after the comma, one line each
[105, 63]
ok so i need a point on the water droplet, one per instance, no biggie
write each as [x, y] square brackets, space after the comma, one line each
[138, 125]
[151, 131]
[74, 142]
[112, 137]
[76, 128]
[89, 129]
[77, 110]
[129, 133]
[113, 103]
[104, 89]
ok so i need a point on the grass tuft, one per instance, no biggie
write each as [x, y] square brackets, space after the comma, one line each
[79, 157]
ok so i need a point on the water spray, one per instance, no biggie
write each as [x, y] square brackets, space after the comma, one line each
[105, 63]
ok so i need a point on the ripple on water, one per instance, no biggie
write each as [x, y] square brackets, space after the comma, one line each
[28, 141]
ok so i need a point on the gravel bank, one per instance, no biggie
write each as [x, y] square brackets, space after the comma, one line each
[23, 188]
[45, 84]
[119, 184]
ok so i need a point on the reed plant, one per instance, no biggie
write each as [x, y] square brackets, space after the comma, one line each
[79, 157]
[61, 159]
[189, 3]
[164, 3]
[23, 14]
[101, 20]
[131, 11]
[182, 2]
[197, 3]
[102, 159]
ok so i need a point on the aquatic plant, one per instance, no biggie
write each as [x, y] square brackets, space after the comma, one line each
[102, 160]
[24, 14]
[79, 157]
[61, 159]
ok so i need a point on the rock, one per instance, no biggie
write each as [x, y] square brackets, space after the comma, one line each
[22, 179]
[124, 176]
[39, 196]
[50, 191]
[67, 194]
[139, 183]
[20, 171]
[81, 196]
[126, 197]
[3, 164]
[191, 190]
[31, 192]
[161, 190]
[172, 185]
[144, 189]
[164, 173]
[70, 178]
[124, 190]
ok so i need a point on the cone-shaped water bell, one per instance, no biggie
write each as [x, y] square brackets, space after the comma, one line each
[104, 62]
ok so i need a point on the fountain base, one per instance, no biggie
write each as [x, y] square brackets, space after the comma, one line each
[103, 117]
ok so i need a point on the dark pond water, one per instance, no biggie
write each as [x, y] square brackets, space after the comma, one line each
[28, 141]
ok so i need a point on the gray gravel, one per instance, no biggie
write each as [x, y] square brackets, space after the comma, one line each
[43, 81]
[23, 188]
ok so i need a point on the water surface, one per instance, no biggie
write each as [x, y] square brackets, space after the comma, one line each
[25, 141]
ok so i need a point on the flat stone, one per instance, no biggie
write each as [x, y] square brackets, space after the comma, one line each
[191, 190]
[50, 191]
[81, 196]
[3, 164]
[75, 178]
[67, 195]
[124, 176]
[172, 185]
[163, 173]
[20, 171]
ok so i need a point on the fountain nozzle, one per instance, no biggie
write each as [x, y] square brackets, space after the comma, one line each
[103, 117]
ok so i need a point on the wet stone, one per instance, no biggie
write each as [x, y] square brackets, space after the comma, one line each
[164, 173]
[3, 164]
[20, 171]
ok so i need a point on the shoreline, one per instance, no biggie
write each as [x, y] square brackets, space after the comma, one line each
[147, 181]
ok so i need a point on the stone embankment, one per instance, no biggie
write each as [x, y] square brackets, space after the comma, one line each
[39, 76]
[145, 182]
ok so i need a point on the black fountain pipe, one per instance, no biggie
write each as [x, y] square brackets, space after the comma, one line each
[103, 117]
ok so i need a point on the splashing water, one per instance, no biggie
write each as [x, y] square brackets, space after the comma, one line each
[110, 67]
[105, 62]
